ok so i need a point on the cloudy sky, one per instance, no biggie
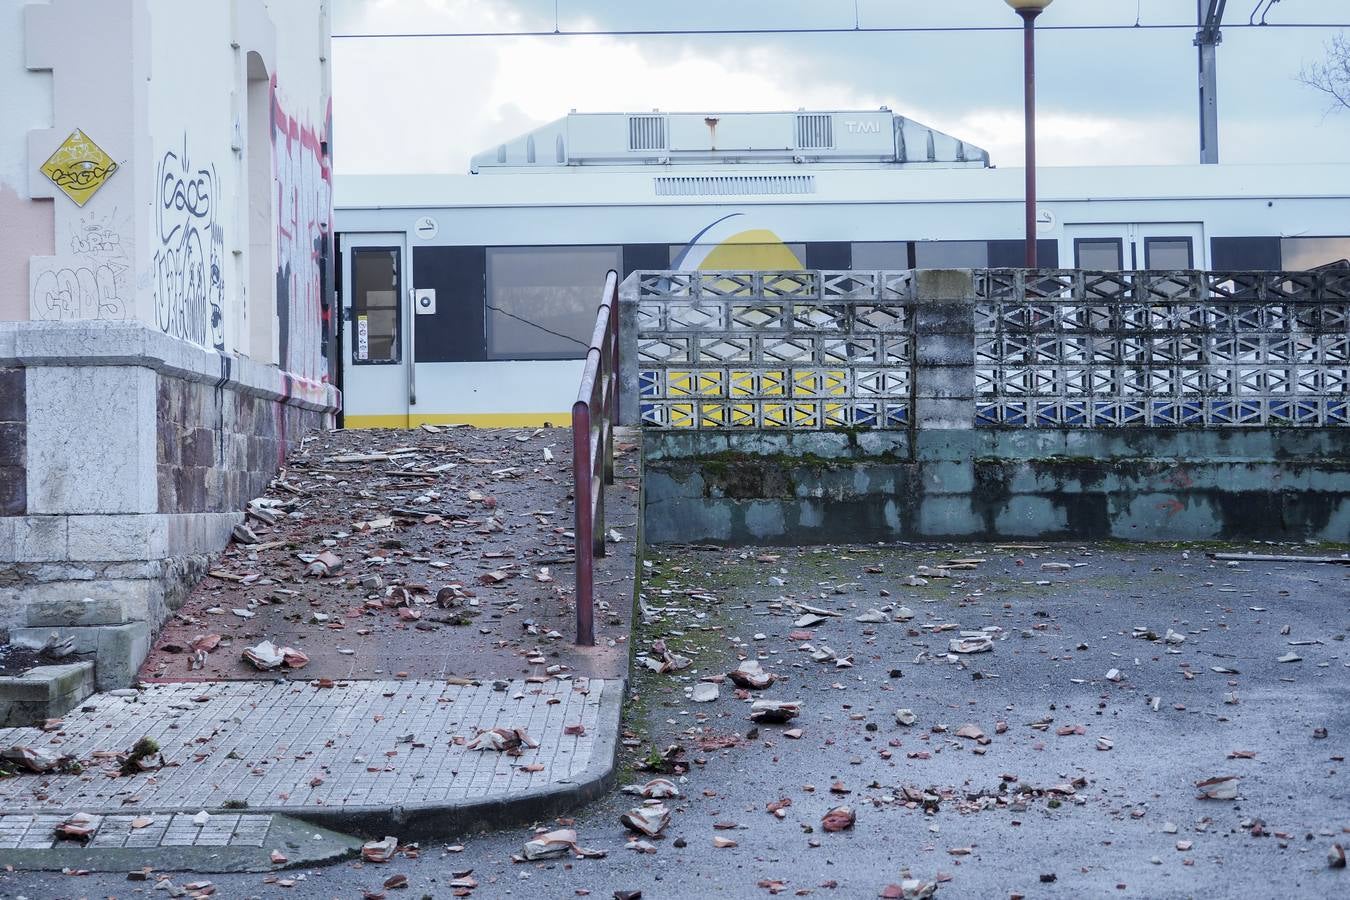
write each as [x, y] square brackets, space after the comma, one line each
[1106, 97]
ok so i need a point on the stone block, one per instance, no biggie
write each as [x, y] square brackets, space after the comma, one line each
[950, 443]
[1031, 516]
[55, 691]
[957, 382]
[948, 517]
[65, 612]
[13, 439]
[12, 394]
[943, 412]
[13, 491]
[764, 520]
[45, 572]
[950, 317]
[139, 596]
[943, 350]
[39, 539]
[948, 477]
[91, 439]
[48, 682]
[944, 284]
[117, 538]
[118, 650]
[885, 443]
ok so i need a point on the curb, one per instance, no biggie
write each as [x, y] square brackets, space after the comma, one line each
[287, 831]
[438, 822]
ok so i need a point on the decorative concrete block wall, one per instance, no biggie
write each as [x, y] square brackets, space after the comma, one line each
[1152, 405]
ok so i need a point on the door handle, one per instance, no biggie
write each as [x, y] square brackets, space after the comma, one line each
[412, 350]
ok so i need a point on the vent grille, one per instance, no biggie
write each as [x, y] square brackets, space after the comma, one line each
[815, 132]
[728, 185]
[646, 133]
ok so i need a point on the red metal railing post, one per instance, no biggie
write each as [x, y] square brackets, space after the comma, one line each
[581, 477]
[593, 418]
[612, 413]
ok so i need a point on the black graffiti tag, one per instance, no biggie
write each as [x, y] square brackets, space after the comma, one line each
[189, 287]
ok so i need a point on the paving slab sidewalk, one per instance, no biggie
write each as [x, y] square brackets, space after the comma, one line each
[368, 757]
[370, 737]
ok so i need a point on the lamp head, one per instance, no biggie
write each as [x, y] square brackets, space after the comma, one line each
[1029, 6]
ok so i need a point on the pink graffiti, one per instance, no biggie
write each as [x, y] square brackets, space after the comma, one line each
[1172, 507]
[303, 177]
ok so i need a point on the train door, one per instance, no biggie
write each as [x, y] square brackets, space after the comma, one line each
[1139, 245]
[376, 364]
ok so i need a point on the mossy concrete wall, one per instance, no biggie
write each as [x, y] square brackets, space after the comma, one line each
[1134, 484]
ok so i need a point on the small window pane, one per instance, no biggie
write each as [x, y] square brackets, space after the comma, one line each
[1168, 254]
[881, 255]
[1098, 254]
[951, 254]
[1301, 254]
[376, 290]
[542, 301]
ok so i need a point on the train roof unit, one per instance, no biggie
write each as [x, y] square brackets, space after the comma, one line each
[861, 138]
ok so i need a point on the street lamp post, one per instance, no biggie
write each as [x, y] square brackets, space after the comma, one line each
[1029, 10]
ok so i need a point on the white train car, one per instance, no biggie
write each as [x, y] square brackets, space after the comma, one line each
[470, 298]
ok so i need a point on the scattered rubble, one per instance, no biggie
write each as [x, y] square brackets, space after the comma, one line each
[553, 844]
[506, 740]
[379, 851]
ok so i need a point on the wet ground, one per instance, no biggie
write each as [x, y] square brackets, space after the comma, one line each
[1031, 769]
[454, 550]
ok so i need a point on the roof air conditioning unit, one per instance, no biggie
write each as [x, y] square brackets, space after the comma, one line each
[646, 132]
[815, 131]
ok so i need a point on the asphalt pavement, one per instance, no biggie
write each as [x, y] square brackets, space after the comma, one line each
[1062, 761]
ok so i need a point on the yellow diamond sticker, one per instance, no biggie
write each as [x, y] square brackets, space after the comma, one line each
[79, 167]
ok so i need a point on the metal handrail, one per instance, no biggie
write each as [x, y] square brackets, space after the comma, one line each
[593, 418]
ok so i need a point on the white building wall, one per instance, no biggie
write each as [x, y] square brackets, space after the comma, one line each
[139, 410]
[174, 237]
[25, 226]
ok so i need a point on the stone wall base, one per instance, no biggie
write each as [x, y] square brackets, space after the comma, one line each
[128, 459]
[1260, 484]
[44, 692]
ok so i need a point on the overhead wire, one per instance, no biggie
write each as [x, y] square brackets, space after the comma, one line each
[869, 29]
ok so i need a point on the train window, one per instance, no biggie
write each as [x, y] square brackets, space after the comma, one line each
[1099, 254]
[951, 254]
[1299, 254]
[881, 255]
[376, 288]
[542, 301]
[1244, 254]
[1168, 254]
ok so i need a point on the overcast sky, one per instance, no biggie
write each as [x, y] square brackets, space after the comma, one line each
[1105, 97]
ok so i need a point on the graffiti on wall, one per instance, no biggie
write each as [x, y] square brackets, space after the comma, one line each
[189, 273]
[89, 281]
[304, 213]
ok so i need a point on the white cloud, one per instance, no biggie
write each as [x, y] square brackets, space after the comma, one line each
[428, 105]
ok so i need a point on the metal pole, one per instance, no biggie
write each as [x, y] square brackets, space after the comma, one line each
[1029, 83]
[582, 474]
[1207, 39]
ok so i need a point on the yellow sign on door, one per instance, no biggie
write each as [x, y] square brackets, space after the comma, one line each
[79, 167]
